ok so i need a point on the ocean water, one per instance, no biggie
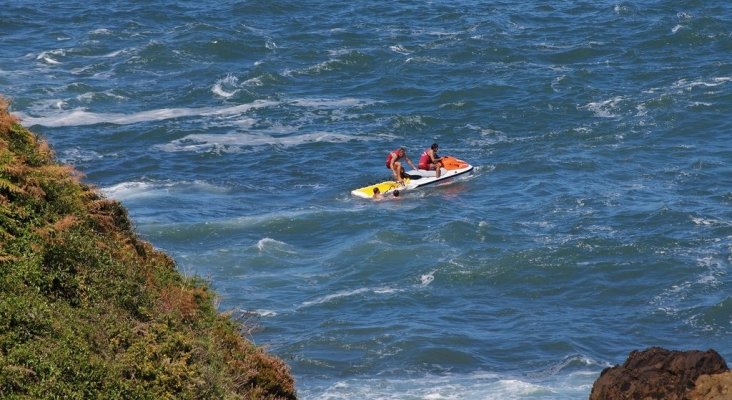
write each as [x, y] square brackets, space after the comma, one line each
[598, 219]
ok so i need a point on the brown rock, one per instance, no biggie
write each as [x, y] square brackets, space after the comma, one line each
[712, 387]
[657, 373]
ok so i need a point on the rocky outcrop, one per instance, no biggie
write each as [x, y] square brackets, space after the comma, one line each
[713, 387]
[657, 373]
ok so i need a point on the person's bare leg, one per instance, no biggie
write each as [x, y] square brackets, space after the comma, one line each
[397, 170]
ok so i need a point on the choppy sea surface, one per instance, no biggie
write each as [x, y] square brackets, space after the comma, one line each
[598, 219]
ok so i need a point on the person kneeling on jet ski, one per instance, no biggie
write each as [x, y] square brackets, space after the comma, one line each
[392, 162]
[429, 160]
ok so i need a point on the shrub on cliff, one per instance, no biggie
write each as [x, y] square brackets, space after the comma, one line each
[88, 310]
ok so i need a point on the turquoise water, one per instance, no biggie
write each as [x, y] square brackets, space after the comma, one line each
[598, 219]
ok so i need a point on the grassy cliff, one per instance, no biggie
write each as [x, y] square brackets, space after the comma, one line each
[88, 310]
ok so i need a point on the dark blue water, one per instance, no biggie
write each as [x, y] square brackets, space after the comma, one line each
[598, 219]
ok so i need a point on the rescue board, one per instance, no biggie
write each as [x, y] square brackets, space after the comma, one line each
[417, 178]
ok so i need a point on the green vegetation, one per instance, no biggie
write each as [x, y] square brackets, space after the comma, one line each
[90, 311]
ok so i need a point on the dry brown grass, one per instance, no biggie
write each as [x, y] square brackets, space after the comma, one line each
[60, 172]
[252, 369]
[47, 154]
[6, 120]
[15, 170]
[60, 226]
[182, 300]
[65, 223]
[109, 215]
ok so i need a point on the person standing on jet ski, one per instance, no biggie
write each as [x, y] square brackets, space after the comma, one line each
[393, 163]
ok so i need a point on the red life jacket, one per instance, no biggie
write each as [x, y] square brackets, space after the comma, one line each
[425, 160]
[391, 156]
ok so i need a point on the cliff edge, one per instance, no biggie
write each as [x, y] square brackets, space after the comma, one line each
[89, 310]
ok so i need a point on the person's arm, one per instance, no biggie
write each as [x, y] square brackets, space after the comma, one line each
[410, 162]
[433, 157]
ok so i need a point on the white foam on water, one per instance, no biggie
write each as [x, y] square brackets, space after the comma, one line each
[218, 90]
[348, 293]
[685, 295]
[88, 97]
[129, 190]
[81, 117]
[74, 155]
[315, 69]
[101, 31]
[48, 56]
[686, 85]
[337, 295]
[49, 60]
[226, 87]
[477, 385]
[620, 9]
[256, 81]
[138, 189]
[425, 60]
[115, 53]
[232, 142]
[427, 278]
[220, 225]
[225, 225]
[256, 313]
[320, 103]
[265, 313]
[324, 66]
[556, 81]
[604, 109]
[399, 49]
[708, 221]
[266, 244]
